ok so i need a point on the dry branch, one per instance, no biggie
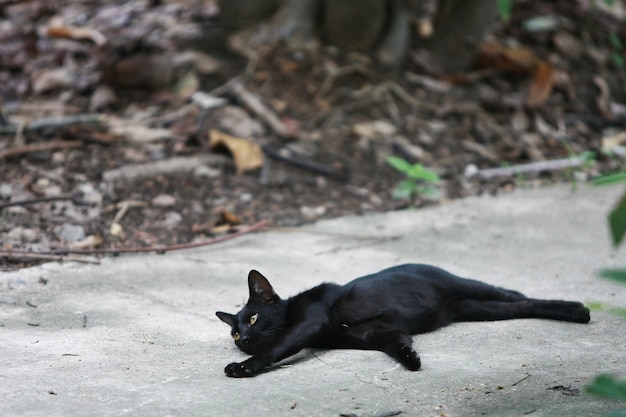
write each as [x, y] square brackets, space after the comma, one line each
[54, 123]
[40, 147]
[261, 110]
[540, 166]
[116, 251]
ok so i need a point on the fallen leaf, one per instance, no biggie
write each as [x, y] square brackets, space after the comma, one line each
[117, 230]
[89, 242]
[136, 133]
[77, 33]
[163, 200]
[614, 143]
[376, 128]
[247, 155]
[515, 60]
[604, 99]
[567, 44]
[144, 69]
[187, 85]
[203, 63]
[48, 80]
[226, 217]
[221, 229]
[542, 86]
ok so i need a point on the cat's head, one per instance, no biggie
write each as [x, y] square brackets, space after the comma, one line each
[261, 320]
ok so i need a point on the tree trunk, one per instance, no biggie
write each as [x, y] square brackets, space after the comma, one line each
[460, 27]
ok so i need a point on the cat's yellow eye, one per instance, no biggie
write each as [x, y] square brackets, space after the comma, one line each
[236, 336]
[253, 318]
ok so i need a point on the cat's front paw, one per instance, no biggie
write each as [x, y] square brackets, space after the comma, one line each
[238, 370]
[410, 358]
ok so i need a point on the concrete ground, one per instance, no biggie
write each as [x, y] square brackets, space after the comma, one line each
[137, 335]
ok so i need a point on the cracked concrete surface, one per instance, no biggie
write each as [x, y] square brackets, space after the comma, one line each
[137, 335]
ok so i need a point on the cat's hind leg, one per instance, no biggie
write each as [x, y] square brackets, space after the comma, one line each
[393, 342]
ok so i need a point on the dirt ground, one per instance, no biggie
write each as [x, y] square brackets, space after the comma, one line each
[106, 145]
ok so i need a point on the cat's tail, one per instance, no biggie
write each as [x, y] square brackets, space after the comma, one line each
[480, 310]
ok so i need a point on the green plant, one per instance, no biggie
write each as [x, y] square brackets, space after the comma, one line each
[505, 7]
[606, 385]
[617, 216]
[618, 50]
[419, 181]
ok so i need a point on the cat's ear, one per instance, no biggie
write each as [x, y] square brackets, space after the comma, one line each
[230, 319]
[261, 290]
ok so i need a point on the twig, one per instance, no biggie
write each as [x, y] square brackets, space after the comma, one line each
[157, 249]
[165, 166]
[55, 123]
[39, 147]
[328, 171]
[523, 379]
[336, 73]
[75, 197]
[260, 109]
[539, 166]
[408, 98]
[19, 255]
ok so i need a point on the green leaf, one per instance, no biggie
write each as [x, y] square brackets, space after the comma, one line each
[398, 163]
[616, 311]
[504, 8]
[617, 221]
[431, 192]
[615, 40]
[618, 60]
[418, 172]
[616, 274]
[608, 387]
[403, 190]
[610, 179]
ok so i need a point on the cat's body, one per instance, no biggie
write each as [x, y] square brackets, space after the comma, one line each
[375, 312]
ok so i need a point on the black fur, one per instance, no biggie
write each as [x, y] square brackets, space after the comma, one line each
[378, 312]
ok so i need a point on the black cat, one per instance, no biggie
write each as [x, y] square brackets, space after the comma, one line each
[378, 312]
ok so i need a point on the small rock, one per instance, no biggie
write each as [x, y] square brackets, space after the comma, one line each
[21, 234]
[170, 220]
[89, 194]
[164, 200]
[205, 171]
[567, 44]
[6, 190]
[238, 122]
[470, 171]
[102, 98]
[71, 233]
[312, 213]
[245, 197]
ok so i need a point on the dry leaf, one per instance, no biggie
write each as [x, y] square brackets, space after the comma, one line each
[604, 98]
[226, 217]
[613, 142]
[247, 155]
[77, 33]
[375, 128]
[221, 229]
[89, 242]
[516, 60]
[542, 85]
[134, 132]
[48, 80]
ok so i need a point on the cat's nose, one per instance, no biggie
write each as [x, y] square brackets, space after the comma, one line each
[245, 339]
